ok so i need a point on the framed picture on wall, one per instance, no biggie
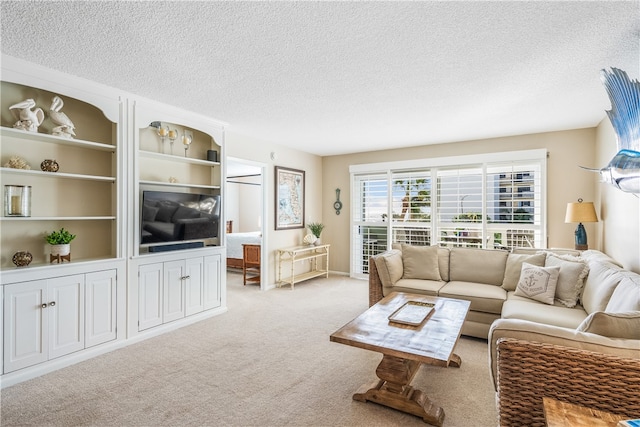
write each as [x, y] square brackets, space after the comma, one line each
[289, 201]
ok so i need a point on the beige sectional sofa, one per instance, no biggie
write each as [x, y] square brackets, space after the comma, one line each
[578, 343]
[489, 280]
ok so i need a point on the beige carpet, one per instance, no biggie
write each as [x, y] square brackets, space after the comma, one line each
[267, 362]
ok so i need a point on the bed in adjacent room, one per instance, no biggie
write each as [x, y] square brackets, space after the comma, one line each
[234, 246]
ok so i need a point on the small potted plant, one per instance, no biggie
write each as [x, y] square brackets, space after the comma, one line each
[316, 229]
[60, 241]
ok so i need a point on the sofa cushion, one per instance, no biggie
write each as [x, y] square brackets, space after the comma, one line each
[477, 265]
[421, 286]
[601, 282]
[594, 255]
[516, 307]
[420, 262]
[573, 271]
[389, 266]
[443, 263]
[514, 267]
[538, 283]
[483, 297]
[613, 325]
[626, 296]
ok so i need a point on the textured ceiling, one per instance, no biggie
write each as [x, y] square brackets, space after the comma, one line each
[342, 77]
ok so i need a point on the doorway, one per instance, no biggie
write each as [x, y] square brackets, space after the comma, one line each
[244, 213]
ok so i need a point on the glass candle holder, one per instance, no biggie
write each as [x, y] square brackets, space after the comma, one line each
[187, 139]
[17, 200]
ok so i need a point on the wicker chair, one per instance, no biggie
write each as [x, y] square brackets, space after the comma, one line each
[529, 371]
[375, 285]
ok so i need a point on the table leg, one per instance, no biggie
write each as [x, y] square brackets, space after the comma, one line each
[455, 361]
[393, 390]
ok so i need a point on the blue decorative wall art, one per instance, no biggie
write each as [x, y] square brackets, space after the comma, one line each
[623, 171]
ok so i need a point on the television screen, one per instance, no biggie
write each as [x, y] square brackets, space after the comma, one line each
[168, 217]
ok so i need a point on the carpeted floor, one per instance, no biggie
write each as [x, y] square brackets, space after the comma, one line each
[267, 362]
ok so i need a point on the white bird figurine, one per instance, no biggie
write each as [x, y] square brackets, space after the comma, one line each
[65, 126]
[27, 119]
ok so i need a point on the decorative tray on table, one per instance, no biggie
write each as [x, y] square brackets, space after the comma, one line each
[412, 313]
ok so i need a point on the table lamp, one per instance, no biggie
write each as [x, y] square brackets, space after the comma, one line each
[581, 212]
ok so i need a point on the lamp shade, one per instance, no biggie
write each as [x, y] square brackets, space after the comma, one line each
[581, 212]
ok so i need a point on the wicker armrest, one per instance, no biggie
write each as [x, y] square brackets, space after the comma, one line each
[529, 371]
[375, 285]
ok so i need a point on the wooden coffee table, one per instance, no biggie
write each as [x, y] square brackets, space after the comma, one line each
[404, 349]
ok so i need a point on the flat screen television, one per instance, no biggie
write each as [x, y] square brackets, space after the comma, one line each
[172, 217]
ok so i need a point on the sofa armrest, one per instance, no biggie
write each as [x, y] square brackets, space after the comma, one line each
[375, 284]
[529, 371]
[537, 332]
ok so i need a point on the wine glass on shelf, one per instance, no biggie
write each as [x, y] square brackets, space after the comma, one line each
[187, 139]
[162, 132]
[173, 135]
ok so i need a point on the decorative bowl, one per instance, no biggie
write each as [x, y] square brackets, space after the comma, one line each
[49, 165]
[22, 258]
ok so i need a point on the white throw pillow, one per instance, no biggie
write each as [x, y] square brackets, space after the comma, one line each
[538, 283]
[573, 271]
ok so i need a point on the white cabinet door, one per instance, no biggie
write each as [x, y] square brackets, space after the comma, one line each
[66, 314]
[174, 291]
[25, 324]
[194, 302]
[100, 298]
[150, 296]
[211, 281]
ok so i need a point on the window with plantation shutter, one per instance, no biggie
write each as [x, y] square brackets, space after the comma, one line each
[460, 207]
[483, 201]
[514, 205]
[369, 212]
[411, 207]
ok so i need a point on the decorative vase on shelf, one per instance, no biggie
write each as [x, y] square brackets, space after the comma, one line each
[49, 165]
[22, 258]
[317, 242]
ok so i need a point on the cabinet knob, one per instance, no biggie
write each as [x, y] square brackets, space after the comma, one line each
[44, 305]
[185, 277]
[52, 304]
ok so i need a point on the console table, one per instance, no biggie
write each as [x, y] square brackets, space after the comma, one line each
[292, 255]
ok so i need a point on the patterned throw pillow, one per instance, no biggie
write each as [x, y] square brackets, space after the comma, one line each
[538, 283]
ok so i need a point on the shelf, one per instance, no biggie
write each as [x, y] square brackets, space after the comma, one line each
[57, 218]
[306, 255]
[42, 137]
[56, 174]
[179, 159]
[179, 184]
[304, 276]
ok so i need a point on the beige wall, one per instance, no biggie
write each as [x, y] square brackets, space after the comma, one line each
[566, 181]
[619, 227]
[617, 233]
[247, 148]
